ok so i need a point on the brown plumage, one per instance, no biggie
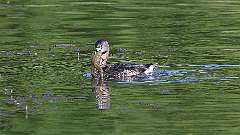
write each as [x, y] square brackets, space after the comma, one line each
[116, 71]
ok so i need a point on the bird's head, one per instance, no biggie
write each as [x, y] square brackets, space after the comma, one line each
[102, 47]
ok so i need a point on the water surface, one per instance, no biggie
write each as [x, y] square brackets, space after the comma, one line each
[45, 52]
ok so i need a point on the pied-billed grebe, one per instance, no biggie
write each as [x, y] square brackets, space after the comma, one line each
[100, 66]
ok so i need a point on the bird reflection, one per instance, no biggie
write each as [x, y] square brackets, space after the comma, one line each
[101, 91]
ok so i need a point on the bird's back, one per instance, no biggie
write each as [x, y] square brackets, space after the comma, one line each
[127, 70]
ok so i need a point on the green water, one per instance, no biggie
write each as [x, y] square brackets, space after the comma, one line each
[45, 51]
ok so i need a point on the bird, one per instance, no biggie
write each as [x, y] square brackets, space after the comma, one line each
[100, 67]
